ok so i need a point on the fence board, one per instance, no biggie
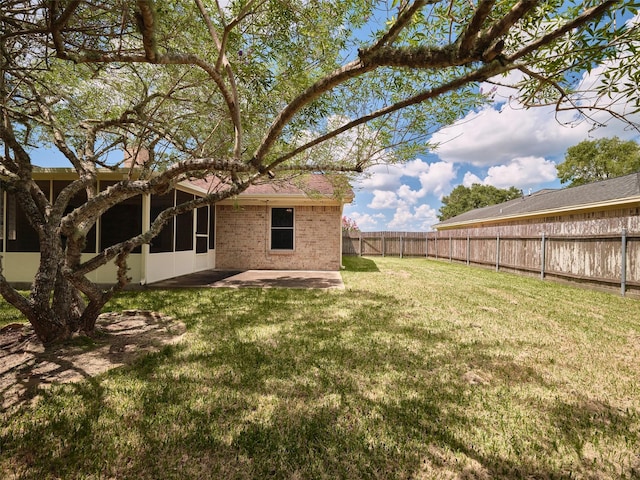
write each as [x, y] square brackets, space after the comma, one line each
[592, 258]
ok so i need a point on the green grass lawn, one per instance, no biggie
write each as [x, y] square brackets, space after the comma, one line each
[419, 369]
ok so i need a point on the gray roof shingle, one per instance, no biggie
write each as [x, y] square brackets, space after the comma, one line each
[549, 200]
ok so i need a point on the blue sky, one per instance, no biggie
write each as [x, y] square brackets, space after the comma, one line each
[502, 145]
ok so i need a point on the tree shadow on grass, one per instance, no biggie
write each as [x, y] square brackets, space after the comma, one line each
[359, 264]
[302, 384]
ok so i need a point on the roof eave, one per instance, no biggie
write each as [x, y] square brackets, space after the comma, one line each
[283, 199]
[542, 213]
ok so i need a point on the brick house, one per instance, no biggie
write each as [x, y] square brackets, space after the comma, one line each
[286, 225]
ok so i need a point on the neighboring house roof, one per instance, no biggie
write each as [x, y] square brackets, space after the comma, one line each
[613, 192]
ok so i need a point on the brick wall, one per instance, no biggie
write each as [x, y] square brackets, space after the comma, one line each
[243, 239]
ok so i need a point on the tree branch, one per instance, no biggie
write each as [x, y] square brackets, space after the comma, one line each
[487, 71]
[469, 36]
[350, 70]
[580, 20]
[507, 21]
[222, 58]
[404, 18]
[146, 24]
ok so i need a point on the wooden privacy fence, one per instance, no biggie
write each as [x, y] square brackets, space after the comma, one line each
[611, 260]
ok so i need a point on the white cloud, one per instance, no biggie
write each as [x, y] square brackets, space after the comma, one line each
[505, 130]
[420, 219]
[522, 172]
[383, 199]
[438, 178]
[415, 168]
[434, 178]
[500, 88]
[493, 137]
[381, 177]
[366, 221]
[410, 196]
[471, 178]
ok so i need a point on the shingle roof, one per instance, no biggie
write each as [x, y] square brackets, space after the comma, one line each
[314, 183]
[302, 185]
[605, 192]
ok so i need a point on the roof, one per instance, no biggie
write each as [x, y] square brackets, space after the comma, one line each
[598, 195]
[309, 186]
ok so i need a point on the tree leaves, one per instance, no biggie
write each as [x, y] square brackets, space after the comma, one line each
[463, 199]
[593, 160]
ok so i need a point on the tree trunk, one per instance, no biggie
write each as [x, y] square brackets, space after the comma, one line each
[56, 307]
[48, 328]
[67, 313]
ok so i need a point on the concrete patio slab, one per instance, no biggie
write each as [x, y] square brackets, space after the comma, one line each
[282, 279]
[254, 279]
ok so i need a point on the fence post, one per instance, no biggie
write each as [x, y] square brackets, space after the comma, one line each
[623, 263]
[435, 243]
[426, 245]
[360, 245]
[543, 255]
[498, 253]
[468, 249]
[401, 242]
[383, 242]
[450, 248]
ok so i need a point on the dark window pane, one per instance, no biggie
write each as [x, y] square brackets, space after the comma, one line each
[20, 236]
[282, 217]
[212, 228]
[164, 241]
[184, 224]
[201, 244]
[77, 201]
[202, 220]
[120, 222]
[282, 239]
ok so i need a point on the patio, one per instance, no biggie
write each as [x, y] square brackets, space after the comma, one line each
[254, 279]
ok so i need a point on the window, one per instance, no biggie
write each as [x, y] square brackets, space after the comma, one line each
[184, 224]
[164, 241]
[282, 229]
[202, 228]
[122, 221]
[77, 201]
[20, 236]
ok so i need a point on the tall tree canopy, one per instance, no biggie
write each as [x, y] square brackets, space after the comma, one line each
[593, 160]
[247, 90]
[463, 199]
